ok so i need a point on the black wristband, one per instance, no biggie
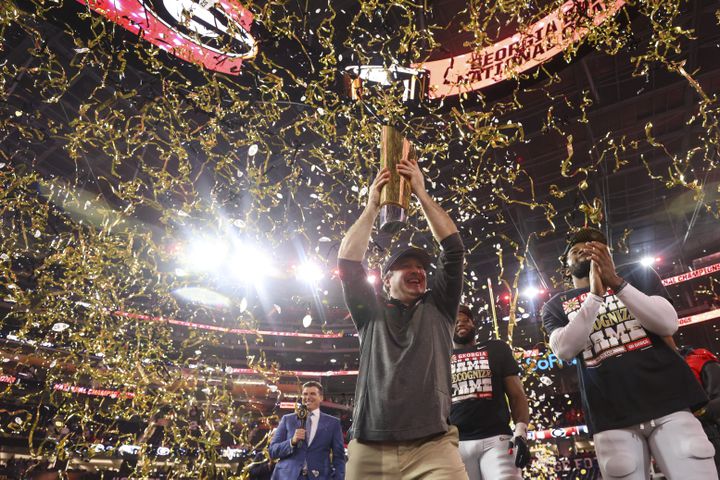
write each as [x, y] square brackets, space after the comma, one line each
[622, 285]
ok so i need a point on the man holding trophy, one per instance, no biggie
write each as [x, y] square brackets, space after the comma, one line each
[402, 398]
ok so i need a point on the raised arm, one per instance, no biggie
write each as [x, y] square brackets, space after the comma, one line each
[440, 222]
[568, 341]
[448, 281]
[355, 243]
[654, 312]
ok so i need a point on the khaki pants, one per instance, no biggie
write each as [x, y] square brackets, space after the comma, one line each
[435, 458]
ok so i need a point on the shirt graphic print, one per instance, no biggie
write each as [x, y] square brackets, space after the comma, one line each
[615, 331]
[471, 376]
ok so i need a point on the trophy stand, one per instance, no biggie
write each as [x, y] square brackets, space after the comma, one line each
[395, 195]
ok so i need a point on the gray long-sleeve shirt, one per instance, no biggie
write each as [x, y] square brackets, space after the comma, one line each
[403, 386]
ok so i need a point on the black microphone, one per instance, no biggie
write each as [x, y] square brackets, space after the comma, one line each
[301, 411]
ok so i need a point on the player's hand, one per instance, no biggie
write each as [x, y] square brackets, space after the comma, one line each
[382, 178]
[596, 284]
[412, 173]
[599, 254]
[522, 453]
[298, 436]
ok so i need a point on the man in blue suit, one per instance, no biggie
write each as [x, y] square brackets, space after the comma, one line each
[312, 449]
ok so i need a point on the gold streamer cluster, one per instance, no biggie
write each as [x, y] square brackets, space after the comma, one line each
[92, 203]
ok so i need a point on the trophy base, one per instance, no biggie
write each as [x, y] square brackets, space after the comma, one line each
[392, 218]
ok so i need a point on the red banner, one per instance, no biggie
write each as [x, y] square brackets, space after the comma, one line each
[518, 53]
[684, 277]
[214, 34]
[94, 392]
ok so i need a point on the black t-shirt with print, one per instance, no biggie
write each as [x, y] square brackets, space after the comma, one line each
[627, 374]
[479, 407]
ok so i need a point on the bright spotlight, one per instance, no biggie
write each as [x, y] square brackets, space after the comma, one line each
[372, 278]
[248, 262]
[647, 261]
[307, 320]
[309, 272]
[532, 292]
[206, 254]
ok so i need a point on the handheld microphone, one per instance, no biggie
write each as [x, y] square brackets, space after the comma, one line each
[301, 411]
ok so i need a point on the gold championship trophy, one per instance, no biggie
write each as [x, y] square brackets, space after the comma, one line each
[395, 195]
[366, 82]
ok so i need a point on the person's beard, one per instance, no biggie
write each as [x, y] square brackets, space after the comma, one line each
[580, 269]
[465, 339]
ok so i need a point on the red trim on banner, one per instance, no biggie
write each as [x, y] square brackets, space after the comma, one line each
[299, 373]
[237, 331]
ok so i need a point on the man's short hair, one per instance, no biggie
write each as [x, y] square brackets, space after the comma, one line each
[466, 310]
[585, 234]
[315, 384]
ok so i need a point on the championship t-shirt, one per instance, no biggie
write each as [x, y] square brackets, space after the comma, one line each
[628, 375]
[479, 407]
